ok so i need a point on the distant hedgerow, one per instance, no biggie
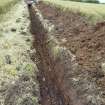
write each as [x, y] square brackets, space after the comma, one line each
[87, 1]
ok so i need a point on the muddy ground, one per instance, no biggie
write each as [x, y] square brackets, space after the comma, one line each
[86, 41]
[18, 84]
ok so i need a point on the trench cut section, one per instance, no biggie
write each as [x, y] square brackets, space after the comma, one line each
[53, 61]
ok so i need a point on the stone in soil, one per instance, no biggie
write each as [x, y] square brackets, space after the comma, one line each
[13, 29]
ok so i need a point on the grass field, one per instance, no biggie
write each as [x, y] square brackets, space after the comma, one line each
[5, 5]
[93, 11]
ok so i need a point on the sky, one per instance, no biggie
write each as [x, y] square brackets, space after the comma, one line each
[102, 1]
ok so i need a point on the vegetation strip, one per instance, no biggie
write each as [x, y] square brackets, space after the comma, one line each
[5, 5]
[94, 12]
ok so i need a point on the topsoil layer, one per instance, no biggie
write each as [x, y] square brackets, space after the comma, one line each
[84, 40]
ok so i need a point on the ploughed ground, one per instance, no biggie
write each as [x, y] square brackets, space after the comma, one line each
[87, 42]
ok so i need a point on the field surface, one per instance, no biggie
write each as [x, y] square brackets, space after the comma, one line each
[4, 2]
[95, 11]
[5, 5]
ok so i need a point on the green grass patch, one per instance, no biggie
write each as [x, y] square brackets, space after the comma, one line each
[95, 12]
[5, 5]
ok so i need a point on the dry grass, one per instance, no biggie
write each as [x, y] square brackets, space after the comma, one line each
[5, 5]
[93, 11]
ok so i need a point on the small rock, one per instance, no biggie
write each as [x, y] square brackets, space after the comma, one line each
[18, 20]
[63, 40]
[28, 40]
[13, 29]
[25, 77]
[24, 33]
[19, 67]
[3, 90]
[28, 17]
[8, 59]
[22, 28]
[103, 67]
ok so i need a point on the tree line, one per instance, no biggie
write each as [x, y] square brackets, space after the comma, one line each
[87, 1]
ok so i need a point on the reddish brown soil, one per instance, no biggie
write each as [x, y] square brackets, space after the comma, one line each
[55, 89]
[86, 41]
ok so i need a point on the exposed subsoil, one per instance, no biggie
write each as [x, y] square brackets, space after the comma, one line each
[53, 71]
[86, 41]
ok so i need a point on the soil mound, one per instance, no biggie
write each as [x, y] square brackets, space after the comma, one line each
[87, 42]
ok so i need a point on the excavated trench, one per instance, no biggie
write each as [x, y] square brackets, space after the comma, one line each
[55, 64]
[66, 79]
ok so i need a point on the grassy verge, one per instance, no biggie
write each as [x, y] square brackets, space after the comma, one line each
[94, 12]
[5, 6]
